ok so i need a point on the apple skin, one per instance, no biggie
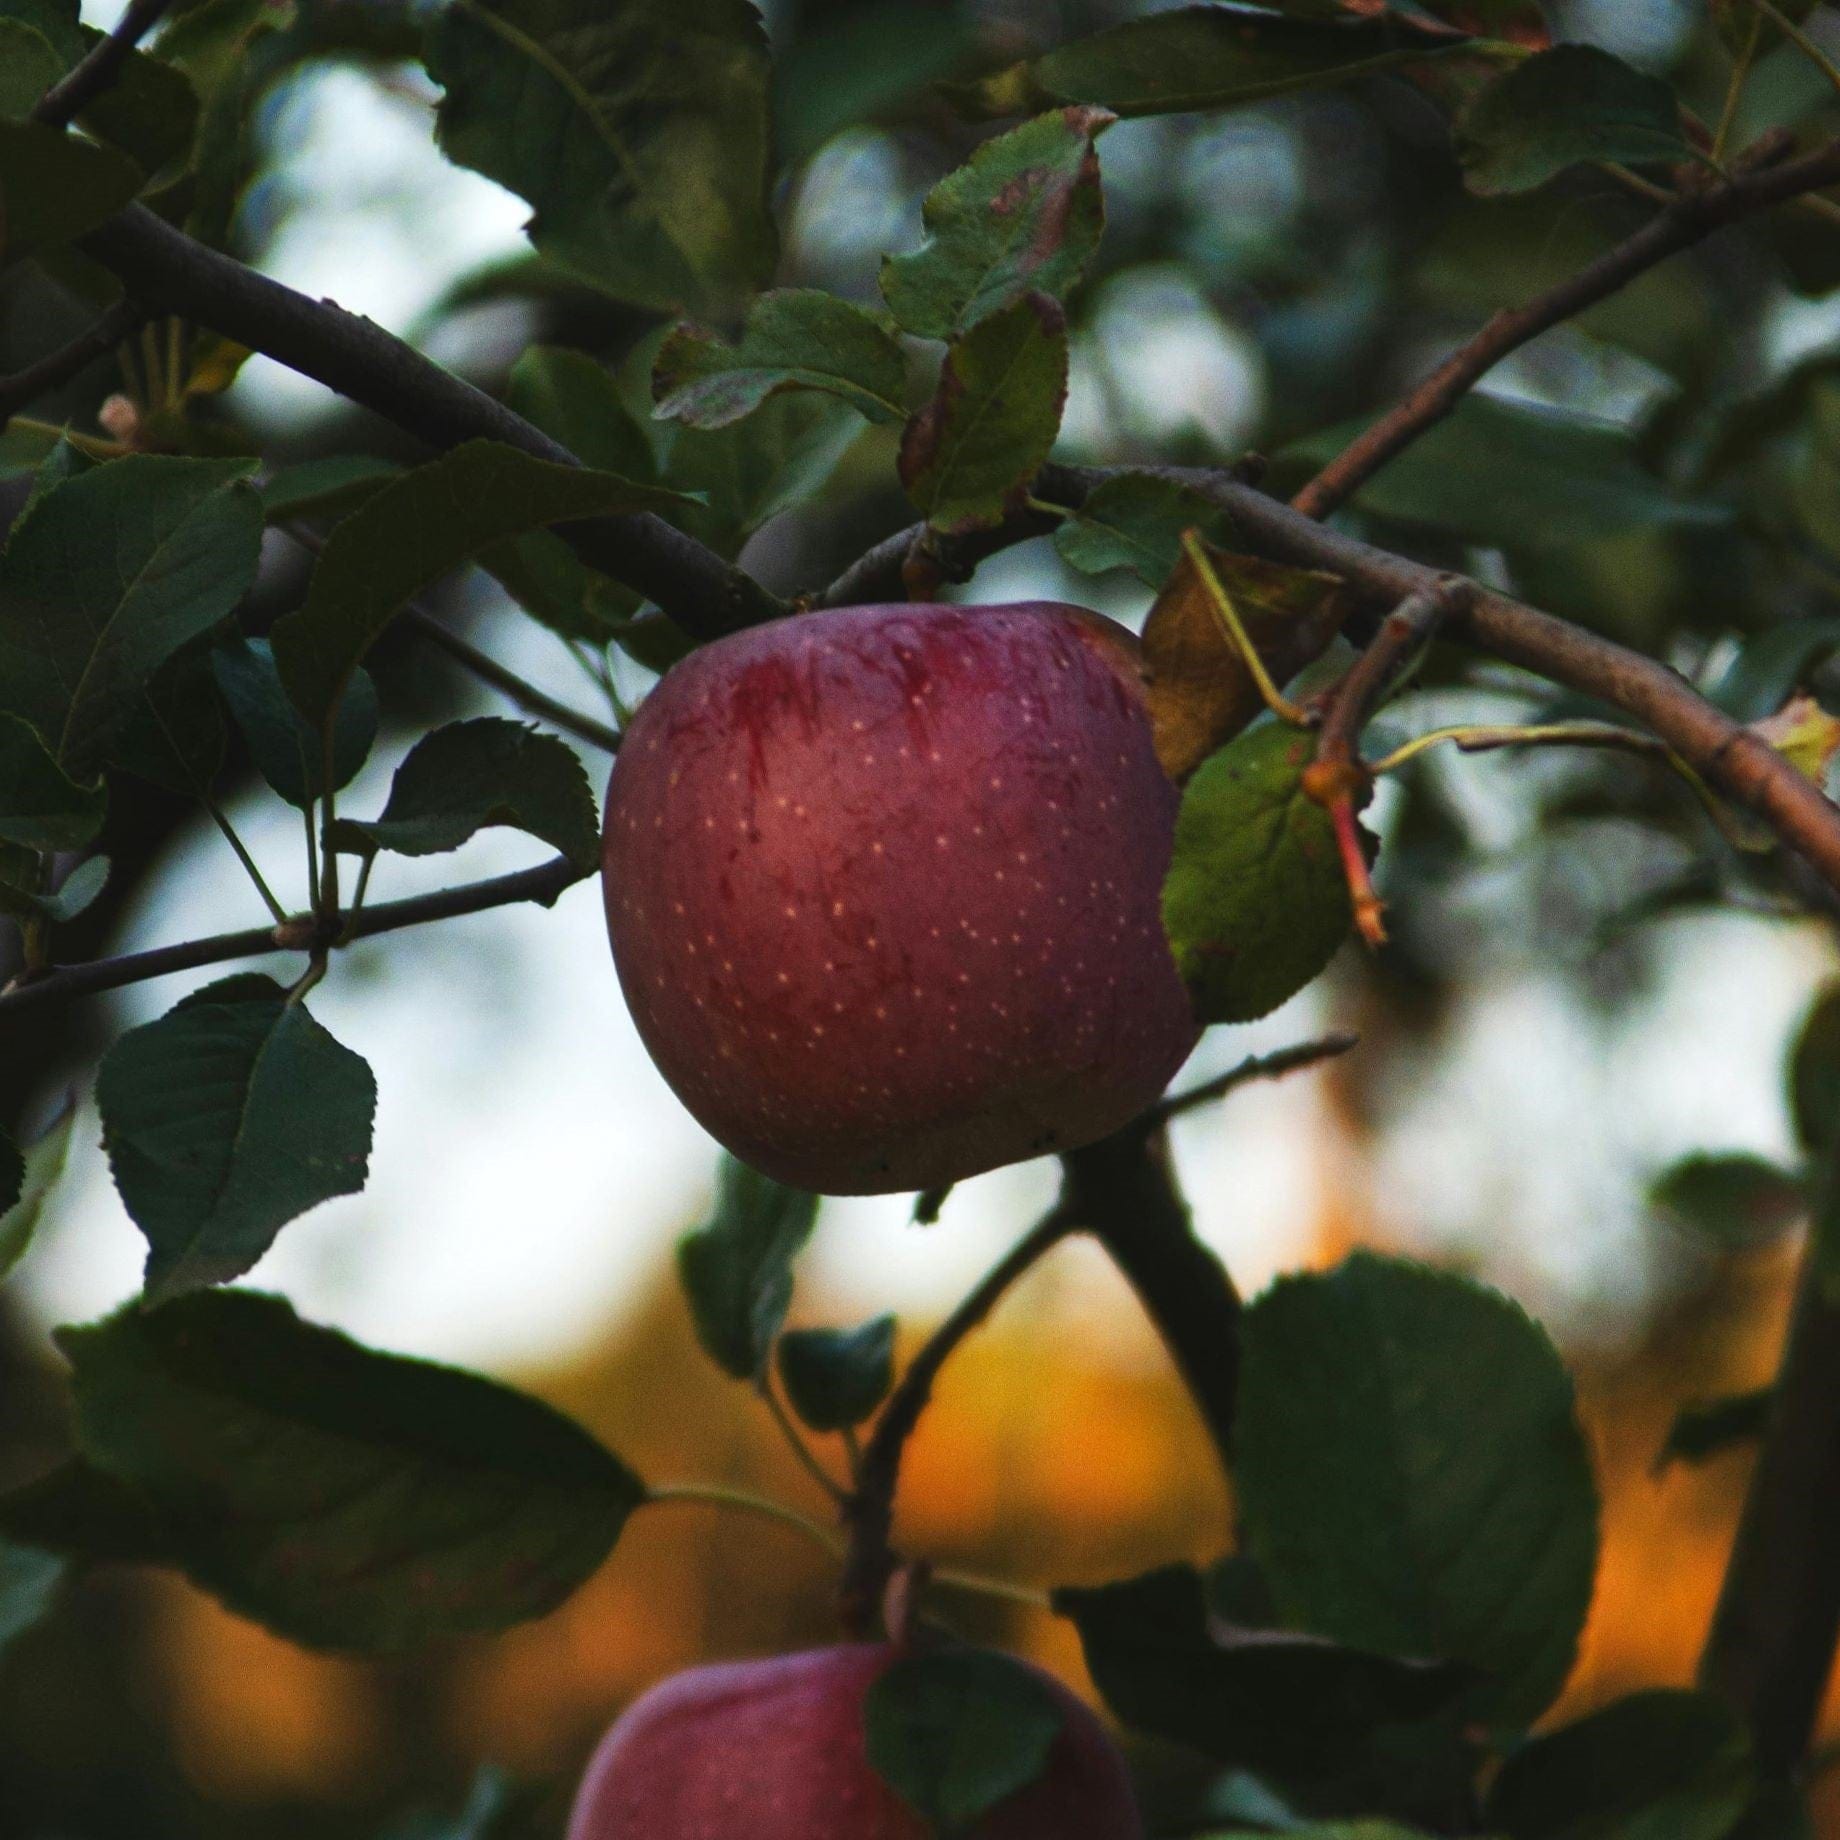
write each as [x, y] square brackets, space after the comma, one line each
[774, 1750]
[884, 890]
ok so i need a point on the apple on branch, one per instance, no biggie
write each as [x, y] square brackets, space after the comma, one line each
[883, 888]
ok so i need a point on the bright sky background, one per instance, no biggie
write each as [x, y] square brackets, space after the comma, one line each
[530, 1166]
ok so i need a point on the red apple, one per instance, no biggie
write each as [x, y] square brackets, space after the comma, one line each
[774, 1750]
[884, 891]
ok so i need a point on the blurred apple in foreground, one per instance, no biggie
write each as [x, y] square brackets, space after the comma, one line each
[884, 885]
[775, 1750]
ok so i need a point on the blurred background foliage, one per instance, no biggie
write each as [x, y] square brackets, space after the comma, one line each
[1586, 982]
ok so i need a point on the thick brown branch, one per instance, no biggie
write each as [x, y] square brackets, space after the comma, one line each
[169, 272]
[1762, 181]
[1725, 754]
[1771, 1649]
[1123, 1192]
[67, 98]
[62, 983]
[56, 368]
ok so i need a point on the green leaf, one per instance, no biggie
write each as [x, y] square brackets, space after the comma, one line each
[1520, 476]
[1662, 1765]
[1255, 904]
[469, 775]
[1136, 521]
[55, 188]
[35, 1176]
[749, 472]
[956, 1732]
[1732, 1201]
[41, 806]
[1304, 1713]
[968, 456]
[639, 133]
[1814, 1072]
[1204, 57]
[1706, 1428]
[1022, 215]
[1769, 667]
[1570, 106]
[326, 488]
[150, 111]
[79, 890]
[575, 399]
[557, 589]
[215, 44]
[737, 1268]
[86, 1515]
[287, 753]
[29, 1579]
[57, 21]
[836, 1378]
[344, 1498]
[794, 339]
[224, 1120]
[175, 734]
[28, 67]
[1739, 21]
[85, 624]
[410, 534]
[1395, 1509]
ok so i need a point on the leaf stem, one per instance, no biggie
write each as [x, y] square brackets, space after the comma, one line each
[717, 1495]
[222, 821]
[1275, 700]
[1734, 91]
[795, 1440]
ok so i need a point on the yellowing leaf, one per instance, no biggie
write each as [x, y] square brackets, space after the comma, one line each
[1199, 688]
[1804, 734]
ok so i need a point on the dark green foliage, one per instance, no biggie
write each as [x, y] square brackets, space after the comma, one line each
[223, 1121]
[1428, 1492]
[957, 1732]
[347, 1499]
[638, 133]
[1255, 904]
[469, 775]
[737, 1268]
[968, 456]
[836, 1378]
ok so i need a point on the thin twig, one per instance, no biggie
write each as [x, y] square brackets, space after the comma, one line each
[524, 694]
[1337, 779]
[1801, 40]
[57, 368]
[1254, 1067]
[418, 619]
[67, 98]
[62, 983]
[1756, 185]
[869, 1513]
